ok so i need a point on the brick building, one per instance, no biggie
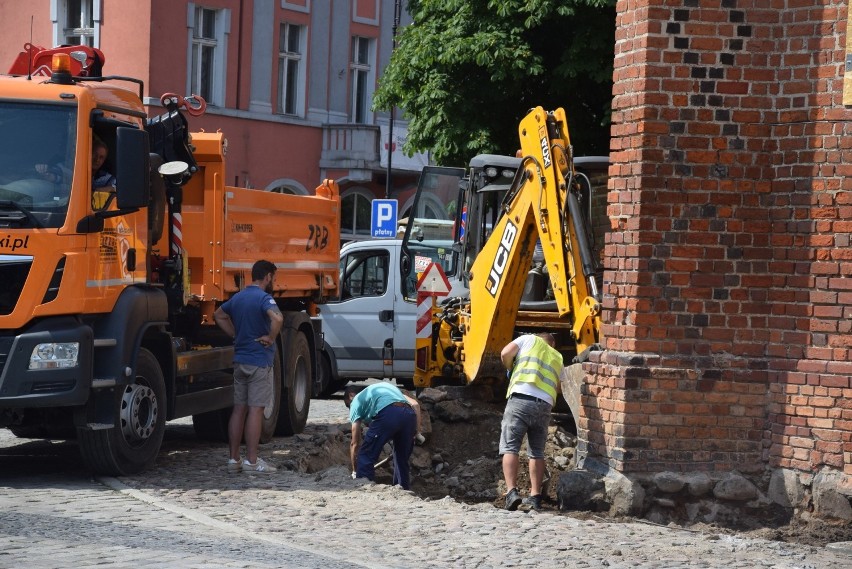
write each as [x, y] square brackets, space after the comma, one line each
[728, 291]
[289, 82]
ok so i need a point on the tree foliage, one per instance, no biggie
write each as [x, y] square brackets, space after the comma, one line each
[467, 71]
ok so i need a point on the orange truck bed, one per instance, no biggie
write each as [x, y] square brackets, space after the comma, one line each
[226, 229]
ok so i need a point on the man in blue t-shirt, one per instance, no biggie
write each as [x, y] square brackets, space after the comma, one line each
[390, 414]
[253, 319]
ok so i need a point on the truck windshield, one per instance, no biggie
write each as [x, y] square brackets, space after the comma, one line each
[36, 163]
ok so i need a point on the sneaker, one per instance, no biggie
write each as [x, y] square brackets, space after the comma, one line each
[234, 465]
[259, 466]
[513, 499]
[531, 503]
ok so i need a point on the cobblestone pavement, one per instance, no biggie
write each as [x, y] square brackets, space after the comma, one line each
[190, 512]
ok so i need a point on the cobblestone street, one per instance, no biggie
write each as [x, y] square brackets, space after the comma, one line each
[190, 512]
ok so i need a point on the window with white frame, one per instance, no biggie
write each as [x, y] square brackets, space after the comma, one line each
[361, 79]
[291, 69]
[204, 44]
[355, 213]
[76, 22]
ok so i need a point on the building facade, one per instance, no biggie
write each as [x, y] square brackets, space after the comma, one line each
[289, 82]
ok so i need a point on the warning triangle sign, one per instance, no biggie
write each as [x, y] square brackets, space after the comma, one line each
[433, 281]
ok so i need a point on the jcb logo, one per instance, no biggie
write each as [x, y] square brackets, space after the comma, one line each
[545, 146]
[498, 267]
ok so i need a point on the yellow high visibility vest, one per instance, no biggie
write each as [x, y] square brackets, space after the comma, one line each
[540, 366]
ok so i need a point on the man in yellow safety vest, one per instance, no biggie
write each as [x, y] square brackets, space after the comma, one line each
[535, 366]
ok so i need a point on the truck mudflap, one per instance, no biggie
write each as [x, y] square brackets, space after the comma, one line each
[58, 378]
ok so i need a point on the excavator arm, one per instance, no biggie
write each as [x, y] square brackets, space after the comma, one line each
[541, 205]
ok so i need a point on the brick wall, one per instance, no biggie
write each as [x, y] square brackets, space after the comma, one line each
[728, 289]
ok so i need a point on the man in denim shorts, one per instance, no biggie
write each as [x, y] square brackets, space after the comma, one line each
[253, 319]
[535, 366]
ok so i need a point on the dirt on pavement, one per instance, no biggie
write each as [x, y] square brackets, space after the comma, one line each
[460, 459]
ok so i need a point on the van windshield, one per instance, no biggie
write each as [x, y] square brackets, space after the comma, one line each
[37, 150]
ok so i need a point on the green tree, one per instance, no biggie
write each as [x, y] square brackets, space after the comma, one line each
[467, 71]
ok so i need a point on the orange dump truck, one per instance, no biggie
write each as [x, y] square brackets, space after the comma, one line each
[107, 294]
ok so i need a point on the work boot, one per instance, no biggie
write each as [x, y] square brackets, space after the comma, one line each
[513, 499]
[531, 503]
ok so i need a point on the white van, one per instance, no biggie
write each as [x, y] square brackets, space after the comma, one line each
[369, 329]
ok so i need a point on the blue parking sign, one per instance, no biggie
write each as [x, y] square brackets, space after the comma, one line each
[383, 220]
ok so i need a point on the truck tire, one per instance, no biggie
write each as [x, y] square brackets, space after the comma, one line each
[295, 385]
[271, 413]
[131, 445]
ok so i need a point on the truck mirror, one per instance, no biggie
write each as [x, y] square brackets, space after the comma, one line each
[175, 172]
[132, 171]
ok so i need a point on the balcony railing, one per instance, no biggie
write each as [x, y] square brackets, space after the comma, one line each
[352, 146]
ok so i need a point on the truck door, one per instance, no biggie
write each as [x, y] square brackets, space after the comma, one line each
[358, 327]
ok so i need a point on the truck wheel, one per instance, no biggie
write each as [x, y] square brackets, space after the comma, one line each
[331, 384]
[132, 444]
[271, 413]
[295, 386]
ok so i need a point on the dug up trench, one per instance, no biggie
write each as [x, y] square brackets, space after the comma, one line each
[460, 459]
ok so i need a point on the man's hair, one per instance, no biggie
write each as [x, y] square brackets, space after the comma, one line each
[349, 394]
[547, 337]
[98, 142]
[351, 391]
[262, 268]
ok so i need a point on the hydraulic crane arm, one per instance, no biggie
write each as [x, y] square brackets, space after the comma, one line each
[540, 205]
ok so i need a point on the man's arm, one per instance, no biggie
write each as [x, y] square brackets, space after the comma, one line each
[276, 320]
[507, 355]
[416, 406]
[355, 444]
[224, 322]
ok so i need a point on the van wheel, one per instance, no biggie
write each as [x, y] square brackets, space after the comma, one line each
[331, 384]
[132, 442]
[295, 385]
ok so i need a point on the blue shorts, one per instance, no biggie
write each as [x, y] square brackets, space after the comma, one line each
[530, 417]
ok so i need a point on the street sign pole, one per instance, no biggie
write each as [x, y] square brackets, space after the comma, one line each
[396, 11]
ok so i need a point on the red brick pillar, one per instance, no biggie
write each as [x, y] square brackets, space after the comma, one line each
[728, 291]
